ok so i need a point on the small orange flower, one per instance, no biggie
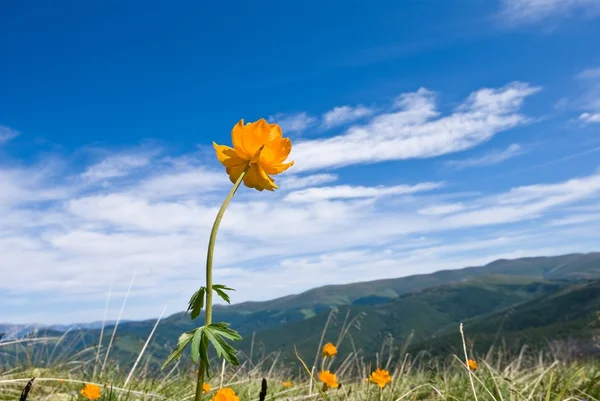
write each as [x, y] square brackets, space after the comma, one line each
[91, 391]
[381, 377]
[329, 380]
[287, 384]
[329, 350]
[225, 394]
[473, 365]
[206, 387]
[261, 146]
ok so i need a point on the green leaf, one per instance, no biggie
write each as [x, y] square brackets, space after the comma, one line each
[196, 343]
[224, 350]
[204, 354]
[183, 341]
[223, 329]
[196, 303]
[220, 290]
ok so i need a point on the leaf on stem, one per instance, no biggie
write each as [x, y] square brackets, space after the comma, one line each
[183, 341]
[196, 303]
[216, 334]
[220, 290]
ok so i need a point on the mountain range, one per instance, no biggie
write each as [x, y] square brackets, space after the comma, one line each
[522, 301]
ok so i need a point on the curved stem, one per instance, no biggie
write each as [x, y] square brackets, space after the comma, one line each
[209, 260]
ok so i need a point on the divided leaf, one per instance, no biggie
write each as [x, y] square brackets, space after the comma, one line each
[215, 333]
[196, 303]
[183, 341]
[196, 343]
[220, 290]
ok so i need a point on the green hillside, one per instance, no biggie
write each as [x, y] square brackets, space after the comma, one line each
[425, 314]
[249, 317]
[531, 299]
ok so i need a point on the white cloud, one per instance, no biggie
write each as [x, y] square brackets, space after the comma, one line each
[88, 239]
[293, 122]
[357, 192]
[344, 114]
[75, 239]
[590, 117]
[414, 132]
[493, 157]
[117, 166]
[589, 101]
[295, 182]
[442, 209]
[529, 11]
[590, 73]
[7, 133]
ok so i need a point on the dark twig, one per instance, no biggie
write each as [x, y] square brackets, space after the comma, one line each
[263, 390]
[26, 390]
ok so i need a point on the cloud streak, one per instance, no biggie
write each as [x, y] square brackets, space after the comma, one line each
[416, 129]
[531, 11]
[490, 158]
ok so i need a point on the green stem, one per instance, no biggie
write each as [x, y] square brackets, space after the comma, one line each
[209, 260]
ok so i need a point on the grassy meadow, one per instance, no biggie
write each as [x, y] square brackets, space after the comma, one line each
[550, 374]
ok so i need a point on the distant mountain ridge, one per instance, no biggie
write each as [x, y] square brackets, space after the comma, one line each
[426, 305]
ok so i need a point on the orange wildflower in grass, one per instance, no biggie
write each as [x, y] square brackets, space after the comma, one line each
[329, 380]
[287, 384]
[91, 391]
[329, 350]
[225, 394]
[259, 145]
[206, 387]
[381, 377]
[473, 365]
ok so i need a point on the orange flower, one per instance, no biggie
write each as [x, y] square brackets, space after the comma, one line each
[473, 365]
[287, 384]
[261, 146]
[329, 350]
[329, 380]
[91, 391]
[225, 394]
[206, 387]
[381, 377]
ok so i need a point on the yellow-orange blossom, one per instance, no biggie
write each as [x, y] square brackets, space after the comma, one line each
[91, 392]
[260, 145]
[381, 377]
[225, 394]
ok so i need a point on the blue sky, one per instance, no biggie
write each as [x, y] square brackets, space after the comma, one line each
[427, 135]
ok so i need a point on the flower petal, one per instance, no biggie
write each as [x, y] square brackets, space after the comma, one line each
[276, 151]
[274, 169]
[255, 135]
[258, 179]
[228, 156]
[235, 172]
[275, 132]
[237, 133]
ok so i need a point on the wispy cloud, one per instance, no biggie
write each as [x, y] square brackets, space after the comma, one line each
[344, 114]
[117, 166]
[7, 133]
[530, 11]
[416, 130]
[294, 182]
[493, 157]
[293, 122]
[357, 192]
[76, 241]
[590, 99]
[442, 209]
